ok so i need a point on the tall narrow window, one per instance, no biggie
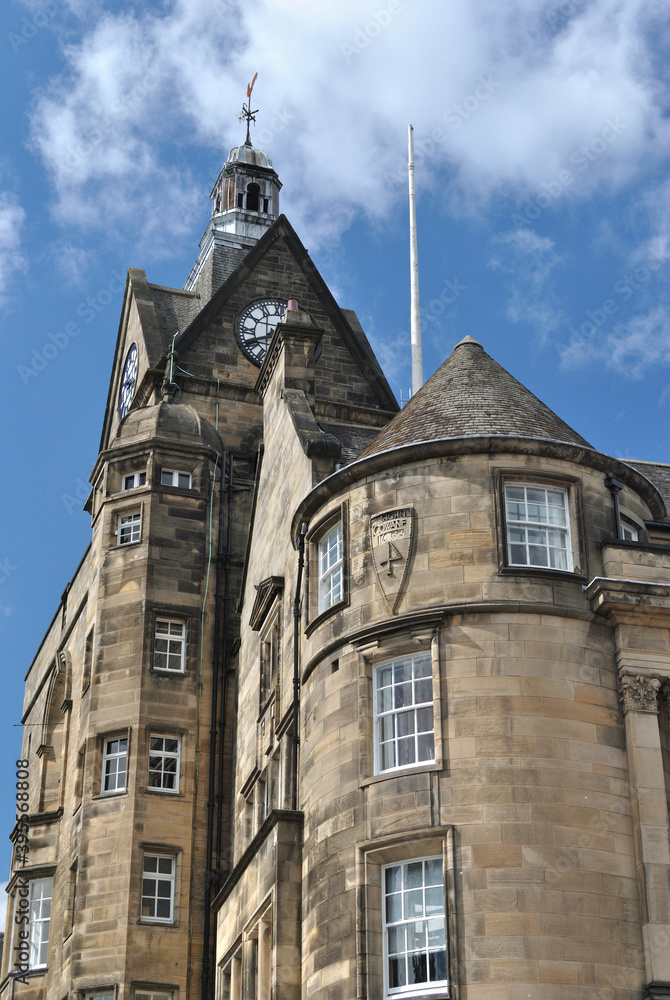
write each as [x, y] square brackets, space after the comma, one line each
[538, 531]
[269, 651]
[158, 878]
[114, 764]
[330, 554]
[128, 530]
[164, 763]
[88, 661]
[169, 645]
[415, 943]
[41, 890]
[403, 710]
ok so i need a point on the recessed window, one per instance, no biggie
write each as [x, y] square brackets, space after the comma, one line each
[164, 753]
[171, 477]
[133, 480]
[628, 532]
[128, 530]
[269, 658]
[143, 995]
[41, 891]
[403, 713]
[538, 526]
[169, 645]
[330, 555]
[158, 878]
[114, 764]
[415, 941]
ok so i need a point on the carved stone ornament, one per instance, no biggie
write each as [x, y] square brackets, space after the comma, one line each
[391, 534]
[639, 693]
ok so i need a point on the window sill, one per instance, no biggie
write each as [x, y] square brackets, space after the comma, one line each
[325, 615]
[164, 791]
[109, 795]
[540, 571]
[399, 772]
[161, 672]
[152, 922]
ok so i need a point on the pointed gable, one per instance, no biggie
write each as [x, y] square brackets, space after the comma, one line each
[279, 266]
[471, 395]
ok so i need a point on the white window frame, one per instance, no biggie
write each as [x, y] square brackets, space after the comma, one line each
[629, 531]
[171, 637]
[166, 878]
[133, 480]
[400, 723]
[525, 526]
[153, 995]
[110, 755]
[330, 556]
[270, 655]
[398, 928]
[40, 899]
[174, 478]
[162, 755]
[129, 528]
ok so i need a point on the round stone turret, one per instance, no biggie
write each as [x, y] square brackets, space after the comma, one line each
[173, 423]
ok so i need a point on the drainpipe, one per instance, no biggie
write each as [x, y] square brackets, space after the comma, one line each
[615, 486]
[210, 876]
[224, 670]
[296, 666]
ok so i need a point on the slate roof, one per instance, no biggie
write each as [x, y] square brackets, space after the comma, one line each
[472, 395]
[659, 475]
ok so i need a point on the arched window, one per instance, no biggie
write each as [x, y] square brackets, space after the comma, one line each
[253, 197]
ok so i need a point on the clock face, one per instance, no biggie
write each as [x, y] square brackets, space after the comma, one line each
[256, 326]
[128, 380]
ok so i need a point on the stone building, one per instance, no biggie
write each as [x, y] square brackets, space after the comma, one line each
[342, 701]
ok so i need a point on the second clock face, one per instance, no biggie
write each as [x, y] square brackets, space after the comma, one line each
[256, 326]
[128, 380]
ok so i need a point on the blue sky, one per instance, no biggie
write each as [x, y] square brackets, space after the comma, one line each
[542, 140]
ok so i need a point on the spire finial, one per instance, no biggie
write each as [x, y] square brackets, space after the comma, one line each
[247, 113]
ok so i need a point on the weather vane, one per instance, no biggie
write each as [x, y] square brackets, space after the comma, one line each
[246, 112]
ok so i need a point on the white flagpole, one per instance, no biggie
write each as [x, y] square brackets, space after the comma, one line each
[417, 361]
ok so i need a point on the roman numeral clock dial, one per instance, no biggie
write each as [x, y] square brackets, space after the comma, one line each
[128, 380]
[256, 325]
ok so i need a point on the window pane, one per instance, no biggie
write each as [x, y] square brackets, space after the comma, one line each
[398, 688]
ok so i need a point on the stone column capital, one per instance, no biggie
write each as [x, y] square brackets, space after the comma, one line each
[639, 693]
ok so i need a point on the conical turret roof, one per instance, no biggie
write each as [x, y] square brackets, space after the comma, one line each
[471, 395]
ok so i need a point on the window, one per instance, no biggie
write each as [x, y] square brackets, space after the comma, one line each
[164, 752]
[169, 645]
[158, 887]
[403, 710]
[628, 532]
[114, 764]
[269, 659]
[88, 661]
[169, 477]
[143, 995]
[133, 480]
[41, 891]
[415, 943]
[538, 532]
[330, 553]
[129, 528]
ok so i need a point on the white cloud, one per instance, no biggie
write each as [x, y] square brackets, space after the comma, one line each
[11, 224]
[632, 348]
[503, 98]
[529, 260]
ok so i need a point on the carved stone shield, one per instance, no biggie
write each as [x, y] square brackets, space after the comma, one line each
[391, 543]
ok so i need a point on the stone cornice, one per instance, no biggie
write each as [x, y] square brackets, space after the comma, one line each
[636, 602]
